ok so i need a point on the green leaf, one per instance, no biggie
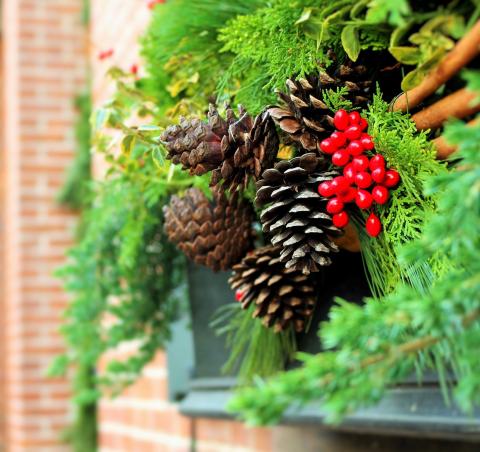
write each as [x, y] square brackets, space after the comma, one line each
[100, 118]
[128, 144]
[415, 77]
[305, 17]
[351, 42]
[399, 33]
[406, 55]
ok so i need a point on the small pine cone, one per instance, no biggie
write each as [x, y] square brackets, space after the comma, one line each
[296, 218]
[282, 296]
[305, 117]
[215, 233]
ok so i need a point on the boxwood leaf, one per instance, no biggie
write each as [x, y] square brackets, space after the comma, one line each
[351, 42]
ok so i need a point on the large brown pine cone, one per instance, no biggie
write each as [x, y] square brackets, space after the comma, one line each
[296, 218]
[305, 117]
[234, 149]
[282, 296]
[215, 233]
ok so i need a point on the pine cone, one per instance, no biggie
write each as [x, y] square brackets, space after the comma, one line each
[297, 219]
[234, 149]
[215, 234]
[305, 117]
[195, 145]
[283, 296]
[249, 148]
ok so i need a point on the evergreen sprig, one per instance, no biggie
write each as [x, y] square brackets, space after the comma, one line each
[405, 215]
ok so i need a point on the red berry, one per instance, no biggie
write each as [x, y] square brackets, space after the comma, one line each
[105, 54]
[326, 189]
[380, 194]
[341, 120]
[239, 295]
[134, 69]
[373, 226]
[392, 178]
[340, 157]
[367, 143]
[328, 146]
[377, 161]
[354, 117]
[348, 195]
[349, 173]
[339, 184]
[339, 139]
[378, 175]
[363, 179]
[360, 163]
[335, 205]
[363, 199]
[340, 220]
[353, 132]
[363, 124]
[152, 3]
[355, 148]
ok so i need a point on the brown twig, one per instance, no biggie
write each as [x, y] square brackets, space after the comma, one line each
[464, 51]
[444, 149]
[457, 105]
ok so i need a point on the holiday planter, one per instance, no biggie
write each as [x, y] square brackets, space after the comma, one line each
[408, 409]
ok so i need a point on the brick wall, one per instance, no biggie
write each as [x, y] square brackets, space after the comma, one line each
[44, 68]
[142, 418]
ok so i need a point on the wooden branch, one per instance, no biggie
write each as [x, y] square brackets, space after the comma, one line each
[444, 149]
[456, 105]
[464, 51]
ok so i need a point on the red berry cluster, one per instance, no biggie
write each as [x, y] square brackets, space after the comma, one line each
[365, 180]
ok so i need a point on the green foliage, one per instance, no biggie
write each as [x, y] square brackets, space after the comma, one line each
[181, 49]
[268, 49]
[373, 347]
[126, 279]
[427, 46]
[405, 215]
[74, 192]
[256, 351]
[123, 274]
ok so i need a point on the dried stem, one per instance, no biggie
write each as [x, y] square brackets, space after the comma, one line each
[457, 105]
[464, 51]
[443, 148]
